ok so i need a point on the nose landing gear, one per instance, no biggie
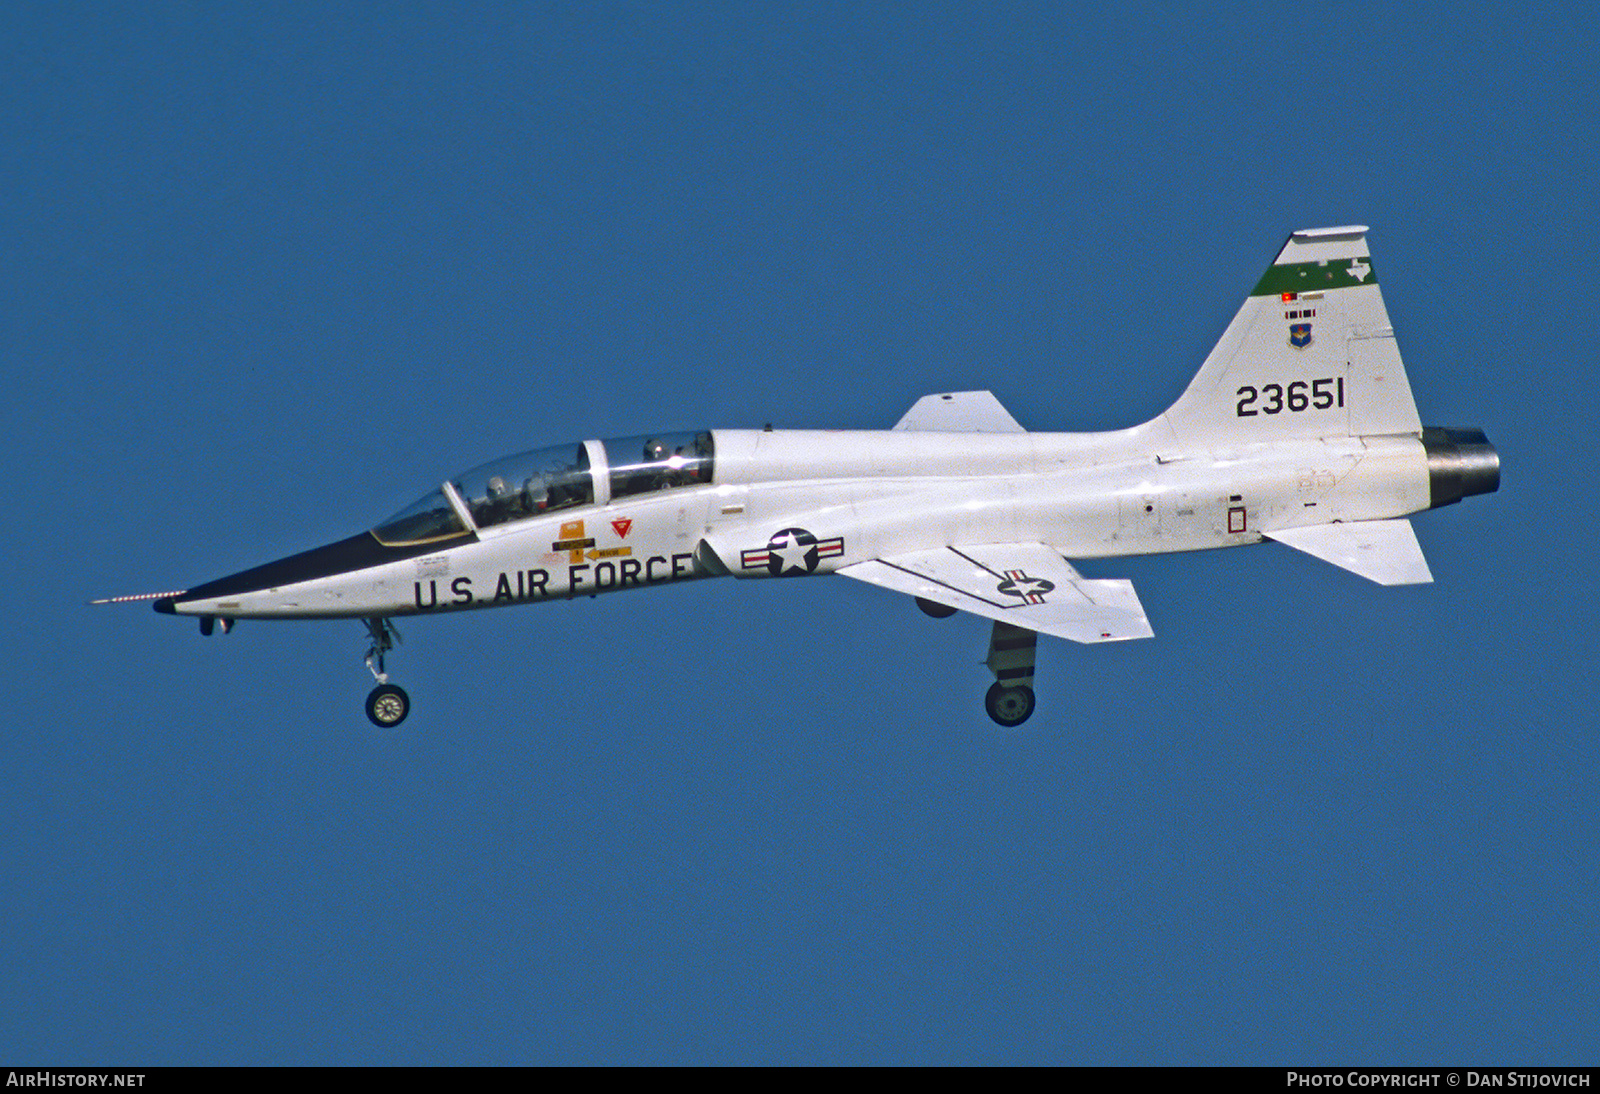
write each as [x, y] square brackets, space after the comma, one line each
[387, 704]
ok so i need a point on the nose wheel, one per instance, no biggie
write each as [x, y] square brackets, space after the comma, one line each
[387, 704]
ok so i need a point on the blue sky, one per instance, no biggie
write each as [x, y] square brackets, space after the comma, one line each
[269, 274]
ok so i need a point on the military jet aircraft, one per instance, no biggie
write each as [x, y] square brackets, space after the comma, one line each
[1299, 427]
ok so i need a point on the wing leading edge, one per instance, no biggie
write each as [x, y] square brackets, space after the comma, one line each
[1027, 585]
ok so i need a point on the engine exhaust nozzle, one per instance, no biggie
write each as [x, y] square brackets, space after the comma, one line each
[1461, 462]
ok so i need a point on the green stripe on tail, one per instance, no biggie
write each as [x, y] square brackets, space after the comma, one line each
[1297, 277]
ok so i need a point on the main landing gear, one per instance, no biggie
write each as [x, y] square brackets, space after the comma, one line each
[1011, 659]
[1011, 653]
[387, 704]
[1009, 706]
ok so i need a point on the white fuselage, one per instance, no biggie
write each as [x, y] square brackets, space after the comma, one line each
[1299, 426]
[866, 495]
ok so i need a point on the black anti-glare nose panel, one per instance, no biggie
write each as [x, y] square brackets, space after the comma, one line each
[359, 552]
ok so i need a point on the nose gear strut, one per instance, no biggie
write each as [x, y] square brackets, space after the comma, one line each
[387, 704]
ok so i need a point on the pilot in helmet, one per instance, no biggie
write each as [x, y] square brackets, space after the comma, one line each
[497, 503]
[536, 493]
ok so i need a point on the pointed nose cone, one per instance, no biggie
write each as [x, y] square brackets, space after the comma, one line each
[346, 556]
[1461, 463]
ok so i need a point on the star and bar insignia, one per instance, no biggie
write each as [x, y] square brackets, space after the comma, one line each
[1030, 589]
[791, 551]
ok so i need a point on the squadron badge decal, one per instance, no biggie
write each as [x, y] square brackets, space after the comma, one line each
[1300, 335]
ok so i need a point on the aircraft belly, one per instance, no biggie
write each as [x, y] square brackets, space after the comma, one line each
[343, 596]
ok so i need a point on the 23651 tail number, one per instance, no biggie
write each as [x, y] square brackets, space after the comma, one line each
[1324, 394]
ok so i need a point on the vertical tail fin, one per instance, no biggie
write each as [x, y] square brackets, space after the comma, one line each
[1310, 354]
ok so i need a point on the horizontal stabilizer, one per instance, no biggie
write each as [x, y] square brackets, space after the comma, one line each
[1027, 585]
[1385, 551]
[960, 412]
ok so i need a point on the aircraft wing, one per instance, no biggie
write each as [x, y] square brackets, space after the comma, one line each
[1027, 585]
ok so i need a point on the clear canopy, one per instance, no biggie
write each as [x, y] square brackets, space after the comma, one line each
[527, 484]
[659, 461]
[548, 479]
[429, 518]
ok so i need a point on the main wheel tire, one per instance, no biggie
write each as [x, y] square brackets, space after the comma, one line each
[1009, 706]
[935, 609]
[388, 705]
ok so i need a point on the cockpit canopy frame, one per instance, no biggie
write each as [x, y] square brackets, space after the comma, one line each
[548, 480]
